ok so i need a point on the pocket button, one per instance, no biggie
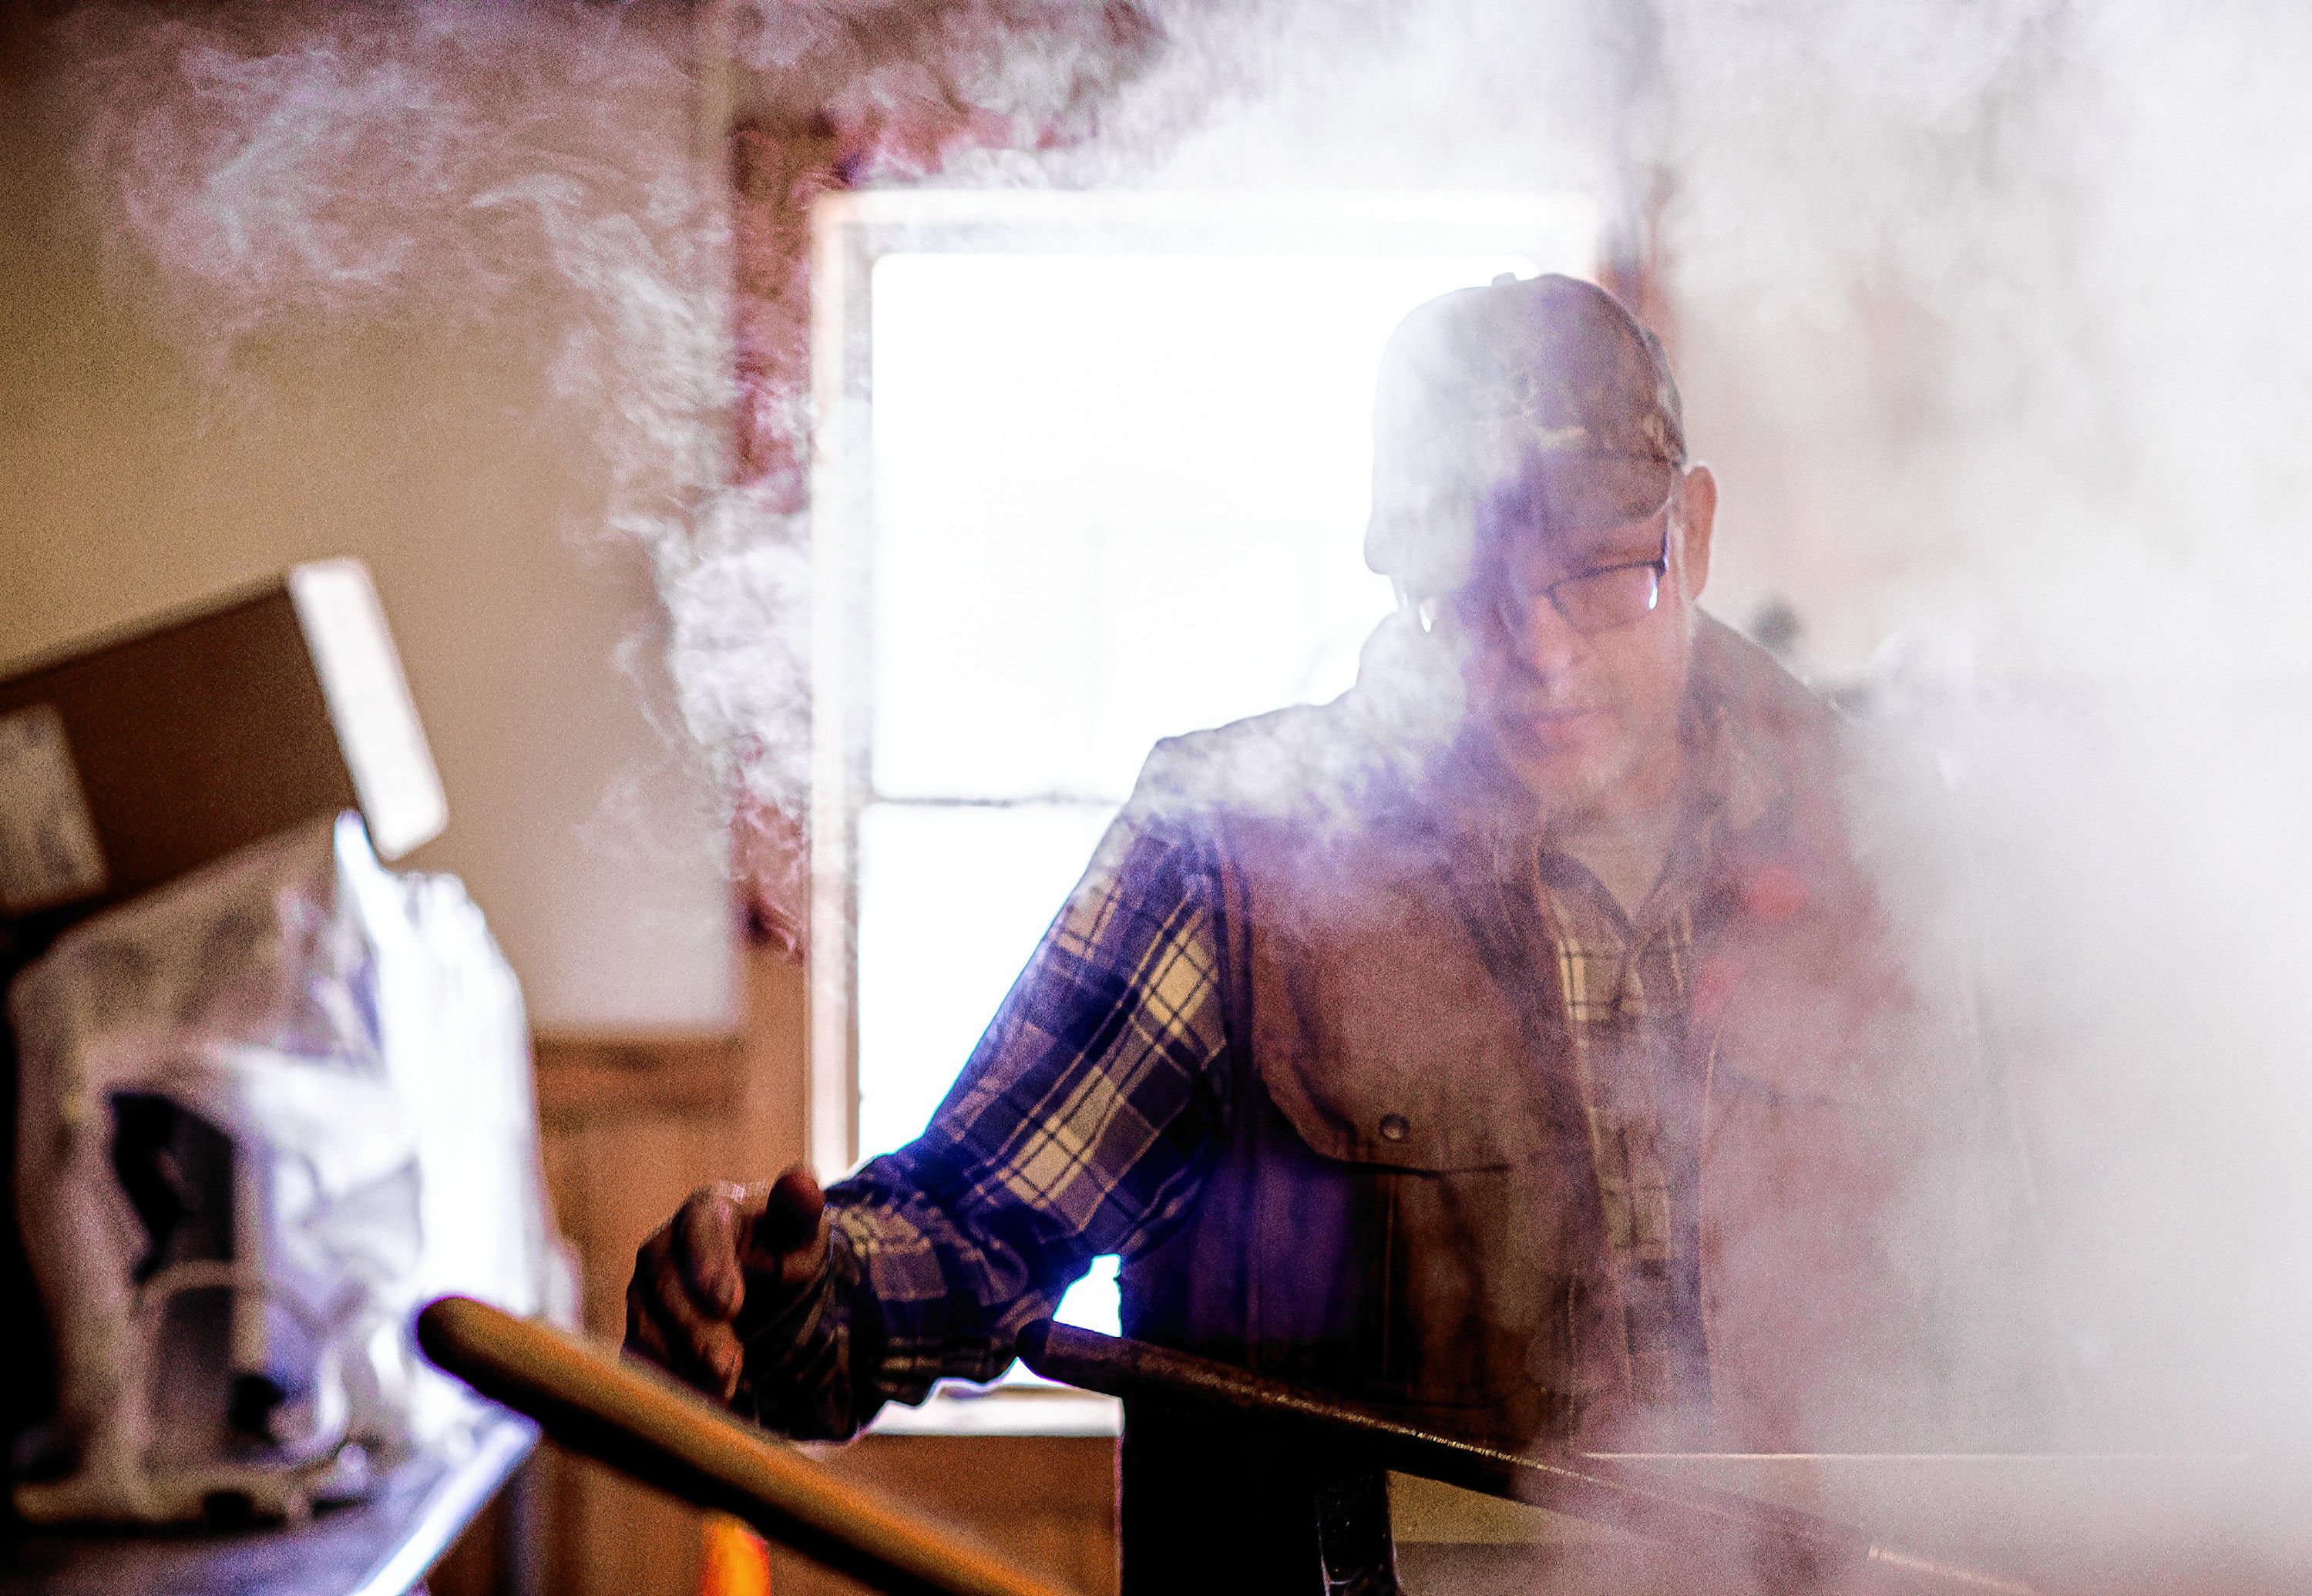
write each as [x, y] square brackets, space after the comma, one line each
[1394, 1128]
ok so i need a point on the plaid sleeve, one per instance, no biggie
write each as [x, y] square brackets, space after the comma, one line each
[1080, 1126]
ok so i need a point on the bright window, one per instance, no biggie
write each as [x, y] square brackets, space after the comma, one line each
[1077, 492]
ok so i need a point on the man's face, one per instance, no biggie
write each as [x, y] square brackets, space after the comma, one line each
[1586, 714]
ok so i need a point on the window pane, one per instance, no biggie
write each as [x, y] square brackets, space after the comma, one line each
[1118, 496]
[951, 902]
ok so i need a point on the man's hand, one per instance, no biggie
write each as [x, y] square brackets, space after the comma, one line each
[728, 1250]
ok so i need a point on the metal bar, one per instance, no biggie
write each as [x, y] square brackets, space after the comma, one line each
[1805, 1549]
[644, 1425]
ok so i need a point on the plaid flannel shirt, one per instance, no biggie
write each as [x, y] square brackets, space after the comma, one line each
[1622, 985]
[1085, 1118]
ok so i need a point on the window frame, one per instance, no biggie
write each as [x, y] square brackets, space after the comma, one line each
[850, 233]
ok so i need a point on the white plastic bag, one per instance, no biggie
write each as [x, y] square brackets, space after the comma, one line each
[264, 1114]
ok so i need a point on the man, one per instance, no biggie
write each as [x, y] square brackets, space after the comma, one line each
[1524, 1042]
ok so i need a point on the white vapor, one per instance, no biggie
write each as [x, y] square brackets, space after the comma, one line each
[1989, 314]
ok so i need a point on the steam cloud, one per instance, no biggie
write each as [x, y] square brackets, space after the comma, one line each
[1989, 314]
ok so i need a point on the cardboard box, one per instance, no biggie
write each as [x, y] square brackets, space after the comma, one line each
[127, 761]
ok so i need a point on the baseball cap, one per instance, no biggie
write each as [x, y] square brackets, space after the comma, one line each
[1538, 398]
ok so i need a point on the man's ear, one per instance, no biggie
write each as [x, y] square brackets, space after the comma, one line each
[1697, 514]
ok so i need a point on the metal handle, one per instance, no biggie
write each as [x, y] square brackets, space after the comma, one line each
[1805, 1547]
[644, 1425]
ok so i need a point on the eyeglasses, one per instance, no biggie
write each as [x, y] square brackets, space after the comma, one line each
[1599, 600]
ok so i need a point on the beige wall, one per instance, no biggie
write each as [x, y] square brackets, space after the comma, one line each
[130, 481]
